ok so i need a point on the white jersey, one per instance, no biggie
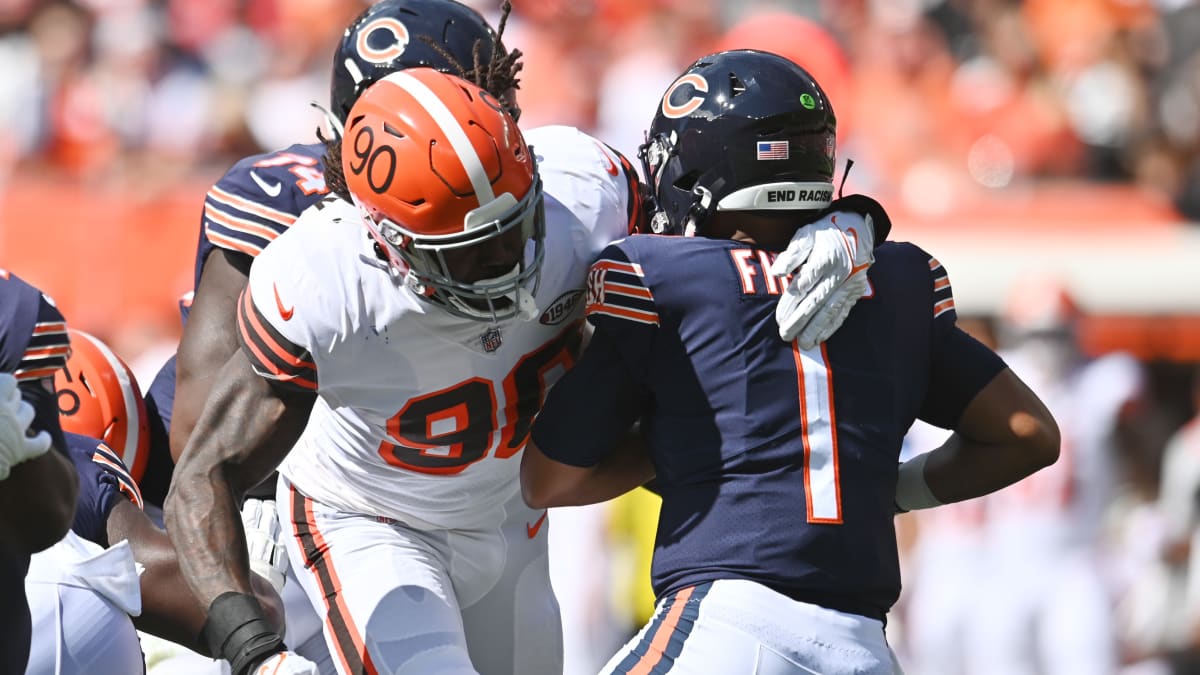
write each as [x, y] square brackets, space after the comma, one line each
[421, 415]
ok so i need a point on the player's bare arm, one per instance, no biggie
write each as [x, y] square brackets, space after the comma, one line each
[546, 482]
[166, 612]
[209, 338]
[1005, 434]
[247, 427]
[38, 497]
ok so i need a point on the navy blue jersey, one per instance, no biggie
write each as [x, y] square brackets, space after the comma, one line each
[103, 480]
[775, 464]
[33, 346]
[259, 198]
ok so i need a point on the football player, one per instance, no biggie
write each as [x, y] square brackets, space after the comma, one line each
[401, 364]
[86, 593]
[777, 463]
[261, 195]
[37, 482]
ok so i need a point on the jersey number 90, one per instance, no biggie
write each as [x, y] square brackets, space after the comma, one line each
[446, 431]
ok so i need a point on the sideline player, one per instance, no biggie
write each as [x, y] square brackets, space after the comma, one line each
[777, 464]
[37, 486]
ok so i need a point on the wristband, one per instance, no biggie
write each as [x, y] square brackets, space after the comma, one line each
[237, 630]
[912, 492]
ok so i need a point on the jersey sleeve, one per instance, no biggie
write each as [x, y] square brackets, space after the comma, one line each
[594, 182]
[960, 366]
[597, 401]
[260, 197]
[591, 407]
[277, 315]
[34, 345]
[237, 220]
[629, 191]
[620, 301]
[103, 481]
[48, 346]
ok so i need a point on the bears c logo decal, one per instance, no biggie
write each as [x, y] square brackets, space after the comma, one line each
[699, 86]
[377, 53]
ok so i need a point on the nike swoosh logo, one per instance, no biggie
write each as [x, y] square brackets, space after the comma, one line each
[611, 167]
[856, 268]
[272, 189]
[532, 530]
[286, 313]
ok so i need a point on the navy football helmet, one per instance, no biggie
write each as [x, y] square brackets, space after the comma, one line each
[740, 130]
[393, 35]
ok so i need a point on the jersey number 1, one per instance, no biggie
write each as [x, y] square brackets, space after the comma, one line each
[822, 484]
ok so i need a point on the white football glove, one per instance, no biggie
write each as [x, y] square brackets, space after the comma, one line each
[286, 663]
[268, 557]
[828, 262]
[15, 417]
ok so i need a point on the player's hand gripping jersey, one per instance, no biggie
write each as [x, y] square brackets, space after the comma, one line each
[421, 414]
[795, 484]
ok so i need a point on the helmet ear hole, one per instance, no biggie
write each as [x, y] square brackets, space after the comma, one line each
[736, 86]
[387, 126]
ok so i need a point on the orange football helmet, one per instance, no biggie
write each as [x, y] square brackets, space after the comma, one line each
[442, 174]
[99, 397]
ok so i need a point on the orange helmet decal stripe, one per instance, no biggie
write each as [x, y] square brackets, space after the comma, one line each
[133, 416]
[452, 128]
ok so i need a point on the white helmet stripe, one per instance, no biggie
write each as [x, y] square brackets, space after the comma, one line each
[453, 131]
[133, 419]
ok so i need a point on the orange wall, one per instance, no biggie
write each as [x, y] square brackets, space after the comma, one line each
[107, 256]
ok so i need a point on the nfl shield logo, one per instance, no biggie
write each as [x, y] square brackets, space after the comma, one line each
[490, 339]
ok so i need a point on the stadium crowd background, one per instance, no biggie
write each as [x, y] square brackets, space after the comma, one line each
[1047, 139]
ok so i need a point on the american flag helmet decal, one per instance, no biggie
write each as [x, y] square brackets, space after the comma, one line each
[772, 150]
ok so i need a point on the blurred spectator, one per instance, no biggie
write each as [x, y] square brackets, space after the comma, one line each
[1160, 609]
[115, 115]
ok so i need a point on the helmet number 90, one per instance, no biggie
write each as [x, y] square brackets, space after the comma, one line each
[367, 159]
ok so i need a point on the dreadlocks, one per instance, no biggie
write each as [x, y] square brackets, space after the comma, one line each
[498, 76]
